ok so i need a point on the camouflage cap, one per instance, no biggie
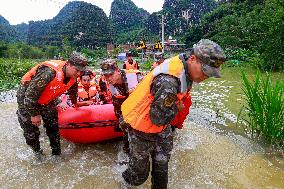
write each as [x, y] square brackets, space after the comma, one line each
[159, 56]
[211, 55]
[108, 66]
[78, 60]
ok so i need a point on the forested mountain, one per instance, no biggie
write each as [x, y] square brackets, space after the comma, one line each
[83, 24]
[86, 25]
[180, 15]
[7, 32]
[12, 33]
[22, 31]
[126, 16]
[127, 20]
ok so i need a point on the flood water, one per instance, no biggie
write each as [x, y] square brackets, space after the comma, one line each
[209, 152]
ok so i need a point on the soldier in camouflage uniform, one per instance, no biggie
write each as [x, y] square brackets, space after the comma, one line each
[30, 112]
[203, 62]
[117, 78]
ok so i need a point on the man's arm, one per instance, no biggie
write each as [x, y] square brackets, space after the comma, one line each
[40, 80]
[116, 102]
[163, 108]
[73, 93]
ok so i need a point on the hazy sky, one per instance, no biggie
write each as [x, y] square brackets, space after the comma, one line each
[18, 11]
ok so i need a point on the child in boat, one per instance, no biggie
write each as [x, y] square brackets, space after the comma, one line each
[87, 89]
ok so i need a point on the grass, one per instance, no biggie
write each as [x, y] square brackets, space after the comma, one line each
[264, 108]
[12, 70]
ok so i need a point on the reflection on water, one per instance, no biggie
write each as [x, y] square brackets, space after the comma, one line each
[208, 153]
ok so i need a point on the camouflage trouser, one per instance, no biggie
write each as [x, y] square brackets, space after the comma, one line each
[31, 132]
[141, 148]
[125, 143]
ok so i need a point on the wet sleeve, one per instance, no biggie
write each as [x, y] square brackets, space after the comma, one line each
[41, 79]
[73, 93]
[163, 108]
[117, 102]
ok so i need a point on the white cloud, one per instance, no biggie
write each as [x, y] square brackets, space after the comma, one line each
[18, 11]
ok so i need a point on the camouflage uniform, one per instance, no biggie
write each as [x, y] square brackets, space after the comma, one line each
[159, 146]
[103, 90]
[124, 91]
[117, 102]
[27, 99]
[163, 109]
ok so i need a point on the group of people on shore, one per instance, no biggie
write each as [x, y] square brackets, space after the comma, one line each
[149, 107]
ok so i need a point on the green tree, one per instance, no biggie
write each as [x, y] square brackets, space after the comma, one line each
[66, 48]
[3, 49]
[254, 25]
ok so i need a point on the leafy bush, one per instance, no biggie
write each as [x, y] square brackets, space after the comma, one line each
[12, 70]
[147, 64]
[243, 57]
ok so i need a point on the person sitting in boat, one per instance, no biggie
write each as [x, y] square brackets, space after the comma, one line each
[130, 63]
[87, 89]
[121, 83]
[103, 89]
[159, 59]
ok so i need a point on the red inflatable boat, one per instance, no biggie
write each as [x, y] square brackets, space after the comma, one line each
[88, 124]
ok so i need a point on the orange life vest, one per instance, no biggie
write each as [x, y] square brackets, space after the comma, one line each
[90, 94]
[56, 87]
[136, 108]
[133, 66]
[182, 114]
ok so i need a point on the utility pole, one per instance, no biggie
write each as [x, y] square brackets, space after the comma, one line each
[142, 56]
[163, 33]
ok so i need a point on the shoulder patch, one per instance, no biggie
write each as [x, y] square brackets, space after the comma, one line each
[41, 83]
[169, 100]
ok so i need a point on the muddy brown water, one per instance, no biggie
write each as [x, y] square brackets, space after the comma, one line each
[208, 152]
